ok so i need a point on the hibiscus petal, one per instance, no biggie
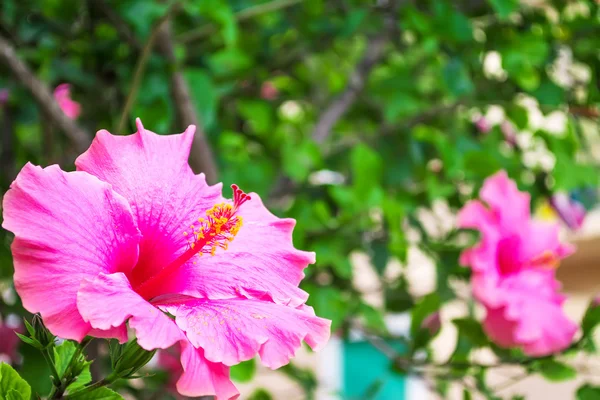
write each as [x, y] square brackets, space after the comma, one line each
[499, 329]
[204, 378]
[151, 171]
[108, 301]
[542, 237]
[510, 205]
[68, 227]
[533, 304]
[482, 257]
[261, 262]
[235, 330]
[556, 331]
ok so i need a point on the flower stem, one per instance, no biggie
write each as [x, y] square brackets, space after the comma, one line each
[54, 372]
[57, 392]
[90, 388]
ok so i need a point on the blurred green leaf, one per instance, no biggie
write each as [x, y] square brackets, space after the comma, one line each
[505, 7]
[367, 169]
[244, 371]
[10, 381]
[203, 94]
[457, 78]
[555, 371]
[260, 394]
[588, 392]
[97, 394]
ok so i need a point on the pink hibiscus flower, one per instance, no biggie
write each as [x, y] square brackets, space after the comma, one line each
[119, 241]
[62, 94]
[514, 270]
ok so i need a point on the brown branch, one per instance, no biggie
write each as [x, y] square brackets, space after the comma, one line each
[336, 110]
[43, 96]
[201, 156]
[140, 68]
[374, 53]
[7, 137]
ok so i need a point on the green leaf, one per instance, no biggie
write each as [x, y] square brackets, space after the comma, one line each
[425, 307]
[555, 371]
[244, 371]
[10, 380]
[472, 330]
[373, 318]
[330, 303]
[397, 298]
[229, 61]
[84, 377]
[203, 95]
[505, 7]
[300, 159]
[63, 355]
[591, 319]
[367, 170]
[260, 394]
[457, 78]
[102, 393]
[258, 114]
[14, 395]
[588, 392]
[29, 341]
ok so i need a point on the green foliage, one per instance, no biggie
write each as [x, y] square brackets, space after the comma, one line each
[260, 394]
[244, 371]
[12, 386]
[126, 359]
[588, 392]
[72, 366]
[403, 81]
[555, 371]
[97, 394]
[425, 307]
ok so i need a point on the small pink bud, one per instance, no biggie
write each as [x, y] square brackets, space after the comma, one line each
[3, 96]
[482, 125]
[268, 91]
[509, 132]
[62, 95]
[432, 323]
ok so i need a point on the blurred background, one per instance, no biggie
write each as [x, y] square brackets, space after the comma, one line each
[370, 122]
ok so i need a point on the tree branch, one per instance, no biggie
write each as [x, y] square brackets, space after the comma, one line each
[373, 54]
[139, 70]
[43, 96]
[201, 156]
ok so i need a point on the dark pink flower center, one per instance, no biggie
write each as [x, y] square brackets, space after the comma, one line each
[509, 257]
[217, 230]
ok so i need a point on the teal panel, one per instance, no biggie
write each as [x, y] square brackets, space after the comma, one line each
[367, 374]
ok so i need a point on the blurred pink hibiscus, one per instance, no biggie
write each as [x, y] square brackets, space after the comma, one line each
[62, 94]
[514, 270]
[9, 341]
[121, 239]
